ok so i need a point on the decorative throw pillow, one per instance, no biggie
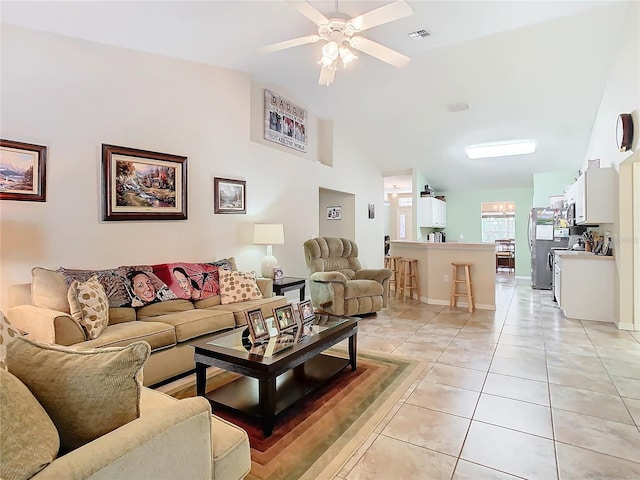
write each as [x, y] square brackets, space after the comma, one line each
[110, 280]
[86, 393]
[29, 440]
[7, 335]
[89, 306]
[189, 281]
[143, 286]
[238, 287]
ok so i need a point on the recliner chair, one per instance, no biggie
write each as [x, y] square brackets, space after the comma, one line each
[338, 283]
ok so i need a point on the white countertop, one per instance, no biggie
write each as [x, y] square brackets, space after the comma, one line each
[581, 254]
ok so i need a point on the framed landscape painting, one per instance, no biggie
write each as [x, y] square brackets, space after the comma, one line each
[230, 196]
[143, 185]
[22, 171]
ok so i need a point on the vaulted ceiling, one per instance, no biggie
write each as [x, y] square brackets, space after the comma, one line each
[526, 69]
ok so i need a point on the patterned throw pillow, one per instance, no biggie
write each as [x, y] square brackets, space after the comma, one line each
[7, 335]
[110, 279]
[86, 393]
[89, 306]
[238, 287]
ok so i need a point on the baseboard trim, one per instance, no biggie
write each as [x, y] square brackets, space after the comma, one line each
[479, 306]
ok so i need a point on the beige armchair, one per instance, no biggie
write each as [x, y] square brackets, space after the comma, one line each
[338, 283]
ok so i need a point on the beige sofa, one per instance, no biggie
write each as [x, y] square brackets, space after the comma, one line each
[166, 439]
[42, 310]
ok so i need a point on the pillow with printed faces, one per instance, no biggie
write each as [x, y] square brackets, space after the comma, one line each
[144, 287]
[191, 281]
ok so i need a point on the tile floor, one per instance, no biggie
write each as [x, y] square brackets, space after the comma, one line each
[521, 392]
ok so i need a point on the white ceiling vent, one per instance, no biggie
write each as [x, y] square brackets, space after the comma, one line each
[419, 34]
[458, 107]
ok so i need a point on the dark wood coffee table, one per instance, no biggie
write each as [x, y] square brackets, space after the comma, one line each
[276, 374]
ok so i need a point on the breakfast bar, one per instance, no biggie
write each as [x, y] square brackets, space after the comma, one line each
[434, 269]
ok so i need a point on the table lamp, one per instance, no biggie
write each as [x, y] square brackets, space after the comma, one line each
[268, 234]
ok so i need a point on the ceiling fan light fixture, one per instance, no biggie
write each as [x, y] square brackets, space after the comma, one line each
[330, 51]
[347, 56]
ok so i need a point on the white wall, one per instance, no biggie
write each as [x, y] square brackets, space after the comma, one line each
[343, 228]
[73, 95]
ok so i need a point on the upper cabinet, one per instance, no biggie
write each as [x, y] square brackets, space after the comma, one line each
[595, 196]
[432, 212]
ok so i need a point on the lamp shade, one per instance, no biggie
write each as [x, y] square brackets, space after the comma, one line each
[268, 234]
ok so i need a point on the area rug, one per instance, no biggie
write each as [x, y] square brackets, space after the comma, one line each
[314, 438]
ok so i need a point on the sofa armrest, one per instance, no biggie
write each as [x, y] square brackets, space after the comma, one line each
[377, 274]
[328, 277]
[171, 442]
[20, 294]
[266, 287]
[47, 326]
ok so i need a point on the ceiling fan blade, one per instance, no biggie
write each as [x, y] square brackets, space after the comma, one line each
[309, 11]
[294, 42]
[326, 76]
[380, 52]
[385, 14]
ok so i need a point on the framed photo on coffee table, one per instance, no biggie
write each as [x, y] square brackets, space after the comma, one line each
[306, 311]
[258, 330]
[284, 318]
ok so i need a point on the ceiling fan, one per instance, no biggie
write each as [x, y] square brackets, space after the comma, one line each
[342, 33]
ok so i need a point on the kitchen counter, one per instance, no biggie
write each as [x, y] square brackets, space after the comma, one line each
[582, 255]
[434, 269]
[586, 288]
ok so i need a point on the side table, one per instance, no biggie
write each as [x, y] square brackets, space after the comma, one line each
[286, 284]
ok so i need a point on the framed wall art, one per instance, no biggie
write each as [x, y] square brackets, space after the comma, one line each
[284, 122]
[229, 195]
[143, 185]
[334, 212]
[22, 171]
[372, 210]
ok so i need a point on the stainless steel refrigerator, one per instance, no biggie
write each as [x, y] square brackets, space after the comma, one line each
[547, 230]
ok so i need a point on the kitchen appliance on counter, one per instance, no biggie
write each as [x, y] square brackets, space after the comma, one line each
[547, 230]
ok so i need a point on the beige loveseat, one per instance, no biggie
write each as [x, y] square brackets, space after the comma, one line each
[41, 309]
[54, 433]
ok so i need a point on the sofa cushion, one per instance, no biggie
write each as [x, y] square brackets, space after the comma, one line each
[49, 290]
[29, 440]
[194, 323]
[238, 287]
[225, 263]
[89, 305]
[209, 302]
[85, 393]
[157, 335]
[162, 308]
[111, 280]
[266, 304]
[7, 335]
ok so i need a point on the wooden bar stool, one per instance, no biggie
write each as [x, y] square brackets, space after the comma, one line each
[407, 278]
[466, 280]
[391, 262]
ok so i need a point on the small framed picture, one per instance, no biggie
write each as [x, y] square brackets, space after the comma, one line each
[22, 167]
[258, 330]
[334, 213]
[284, 318]
[306, 311]
[372, 210]
[229, 195]
[278, 274]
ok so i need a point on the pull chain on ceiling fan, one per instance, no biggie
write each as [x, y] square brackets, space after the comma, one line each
[340, 34]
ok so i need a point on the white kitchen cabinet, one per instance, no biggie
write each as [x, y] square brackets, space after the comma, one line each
[595, 195]
[586, 286]
[432, 212]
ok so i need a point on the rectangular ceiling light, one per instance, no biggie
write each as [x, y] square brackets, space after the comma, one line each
[504, 149]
